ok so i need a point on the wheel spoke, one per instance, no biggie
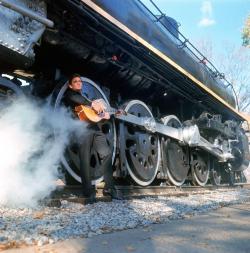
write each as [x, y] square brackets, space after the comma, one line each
[200, 169]
[215, 177]
[74, 156]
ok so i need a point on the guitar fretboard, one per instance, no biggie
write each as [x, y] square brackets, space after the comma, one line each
[110, 110]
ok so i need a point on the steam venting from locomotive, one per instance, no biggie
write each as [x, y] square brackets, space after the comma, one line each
[33, 138]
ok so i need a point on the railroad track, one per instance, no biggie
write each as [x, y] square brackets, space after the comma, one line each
[74, 193]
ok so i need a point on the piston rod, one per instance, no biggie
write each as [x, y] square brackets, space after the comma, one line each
[26, 12]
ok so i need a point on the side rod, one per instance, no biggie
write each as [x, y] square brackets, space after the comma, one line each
[189, 135]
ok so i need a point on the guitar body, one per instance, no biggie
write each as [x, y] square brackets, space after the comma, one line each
[86, 113]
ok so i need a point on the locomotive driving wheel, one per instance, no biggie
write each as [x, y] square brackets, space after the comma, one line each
[216, 172]
[70, 159]
[215, 177]
[139, 149]
[174, 156]
[8, 92]
[200, 169]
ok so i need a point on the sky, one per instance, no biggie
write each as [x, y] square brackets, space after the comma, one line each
[220, 21]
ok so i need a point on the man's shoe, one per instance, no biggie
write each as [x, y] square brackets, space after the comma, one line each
[112, 193]
[89, 199]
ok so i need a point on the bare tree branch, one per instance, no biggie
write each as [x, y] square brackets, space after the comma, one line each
[235, 64]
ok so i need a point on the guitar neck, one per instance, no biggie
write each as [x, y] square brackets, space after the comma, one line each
[111, 110]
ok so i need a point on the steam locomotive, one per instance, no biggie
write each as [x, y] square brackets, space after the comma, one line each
[181, 123]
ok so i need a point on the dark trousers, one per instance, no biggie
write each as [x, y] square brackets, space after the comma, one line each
[95, 140]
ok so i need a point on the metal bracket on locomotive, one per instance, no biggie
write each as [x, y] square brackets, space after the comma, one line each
[188, 135]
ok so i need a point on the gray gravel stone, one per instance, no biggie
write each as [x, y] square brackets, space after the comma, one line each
[3, 239]
[47, 225]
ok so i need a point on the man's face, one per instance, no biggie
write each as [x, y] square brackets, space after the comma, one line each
[76, 84]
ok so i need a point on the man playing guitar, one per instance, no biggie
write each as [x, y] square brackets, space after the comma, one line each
[93, 137]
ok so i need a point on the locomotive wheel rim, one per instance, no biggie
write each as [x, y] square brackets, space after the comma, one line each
[215, 177]
[5, 83]
[172, 120]
[73, 157]
[143, 142]
[200, 175]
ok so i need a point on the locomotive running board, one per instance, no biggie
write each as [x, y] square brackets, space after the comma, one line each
[189, 135]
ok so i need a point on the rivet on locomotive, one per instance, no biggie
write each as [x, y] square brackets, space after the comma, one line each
[181, 123]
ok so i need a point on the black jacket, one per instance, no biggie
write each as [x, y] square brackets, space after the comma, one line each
[73, 98]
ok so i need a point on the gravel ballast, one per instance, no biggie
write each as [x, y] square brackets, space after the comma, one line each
[42, 224]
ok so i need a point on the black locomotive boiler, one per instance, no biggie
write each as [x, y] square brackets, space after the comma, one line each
[181, 125]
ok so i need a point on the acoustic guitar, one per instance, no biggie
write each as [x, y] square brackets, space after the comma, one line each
[86, 113]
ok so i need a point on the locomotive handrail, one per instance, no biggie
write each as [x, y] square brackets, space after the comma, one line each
[191, 48]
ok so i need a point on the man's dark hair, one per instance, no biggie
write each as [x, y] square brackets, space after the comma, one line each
[72, 77]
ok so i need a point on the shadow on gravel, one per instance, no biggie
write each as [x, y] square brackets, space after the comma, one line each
[212, 232]
[225, 230]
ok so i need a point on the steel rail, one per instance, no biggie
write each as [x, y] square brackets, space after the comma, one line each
[74, 193]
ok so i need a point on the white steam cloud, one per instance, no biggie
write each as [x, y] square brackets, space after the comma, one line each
[30, 152]
[207, 14]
